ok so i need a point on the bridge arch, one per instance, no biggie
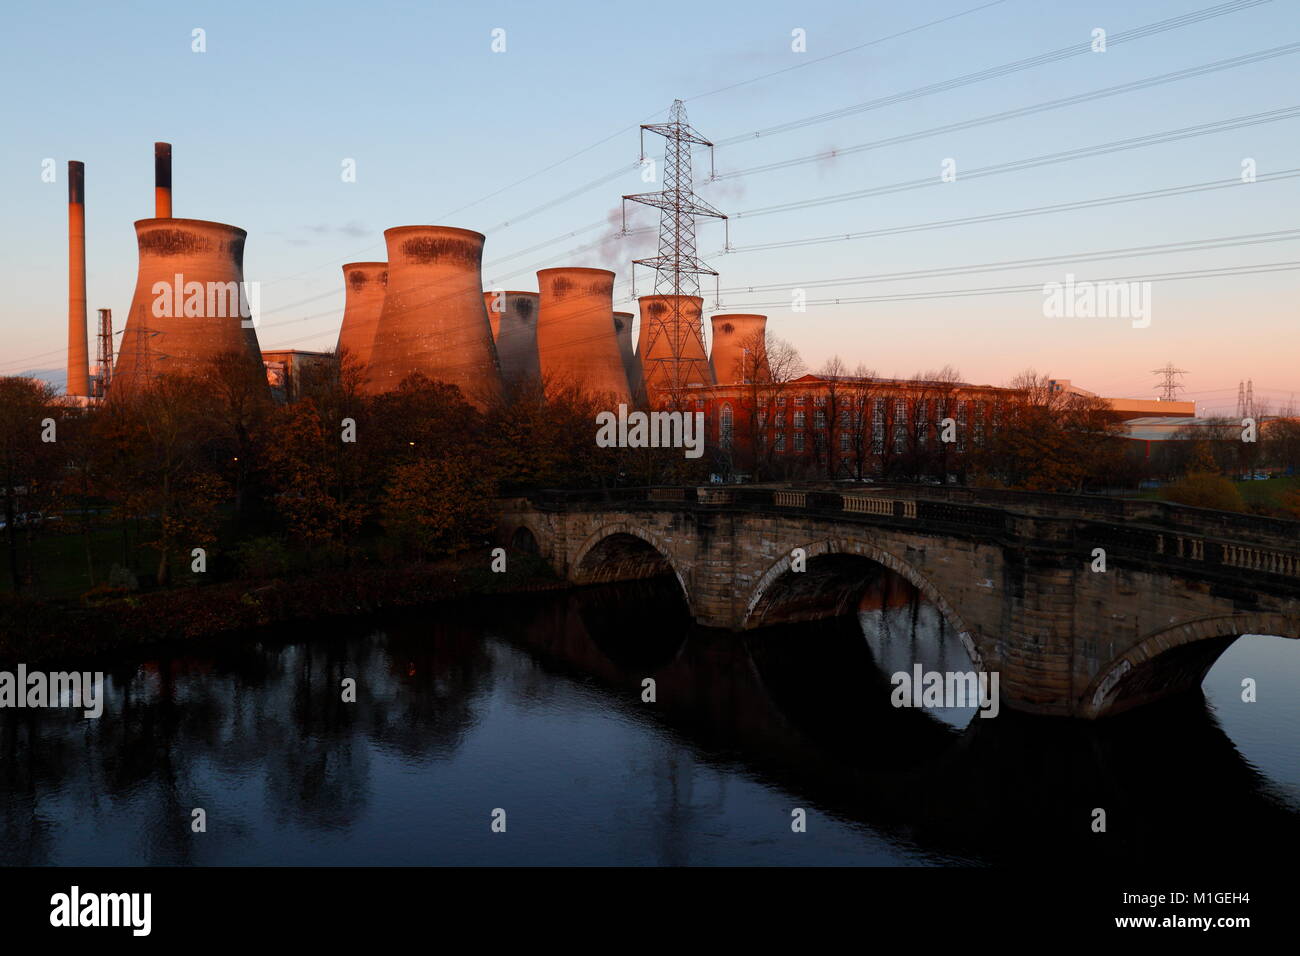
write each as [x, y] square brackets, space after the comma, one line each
[525, 540]
[526, 534]
[625, 550]
[1175, 658]
[764, 595]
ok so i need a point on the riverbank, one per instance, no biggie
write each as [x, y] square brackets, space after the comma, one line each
[34, 631]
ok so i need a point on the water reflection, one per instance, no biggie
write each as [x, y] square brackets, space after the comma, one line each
[537, 706]
[903, 630]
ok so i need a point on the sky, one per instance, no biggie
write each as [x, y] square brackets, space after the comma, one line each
[534, 146]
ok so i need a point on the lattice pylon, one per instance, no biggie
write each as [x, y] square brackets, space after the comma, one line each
[677, 267]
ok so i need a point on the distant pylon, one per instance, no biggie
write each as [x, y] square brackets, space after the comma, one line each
[1241, 399]
[677, 268]
[1170, 386]
[105, 354]
[1250, 398]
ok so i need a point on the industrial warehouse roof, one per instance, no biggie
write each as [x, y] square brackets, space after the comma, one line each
[1167, 429]
[1173, 422]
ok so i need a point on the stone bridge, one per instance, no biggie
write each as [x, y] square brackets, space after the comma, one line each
[1017, 575]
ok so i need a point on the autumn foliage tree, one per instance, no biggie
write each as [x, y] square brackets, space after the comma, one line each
[1046, 439]
[312, 467]
[169, 480]
[438, 505]
[30, 463]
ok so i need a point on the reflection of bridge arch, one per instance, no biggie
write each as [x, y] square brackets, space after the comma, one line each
[622, 550]
[838, 584]
[1176, 658]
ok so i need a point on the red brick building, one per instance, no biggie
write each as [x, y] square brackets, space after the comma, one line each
[845, 426]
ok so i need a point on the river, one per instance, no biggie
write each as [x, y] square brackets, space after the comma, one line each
[531, 713]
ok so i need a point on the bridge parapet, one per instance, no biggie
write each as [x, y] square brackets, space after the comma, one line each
[1150, 533]
[975, 507]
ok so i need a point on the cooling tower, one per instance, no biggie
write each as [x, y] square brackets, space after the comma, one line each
[189, 303]
[514, 327]
[433, 320]
[162, 180]
[660, 329]
[576, 342]
[78, 353]
[363, 285]
[623, 330]
[732, 335]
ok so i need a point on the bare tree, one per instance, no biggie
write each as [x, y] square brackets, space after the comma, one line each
[859, 390]
[768, 363]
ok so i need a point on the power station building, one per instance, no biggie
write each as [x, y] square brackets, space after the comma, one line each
[424, 310]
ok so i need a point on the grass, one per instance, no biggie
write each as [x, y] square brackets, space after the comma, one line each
[1269, 493]
[59, 558]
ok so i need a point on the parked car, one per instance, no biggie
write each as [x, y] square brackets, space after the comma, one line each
[27, 517]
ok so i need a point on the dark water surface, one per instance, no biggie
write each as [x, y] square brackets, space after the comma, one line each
[534, 707]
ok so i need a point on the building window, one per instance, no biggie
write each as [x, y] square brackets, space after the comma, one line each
[780, 401]
[820, 401]
[800, 420]
[798, 441]
[920, 421]
[780, 441]
[878, 426]
[844, 419]
[699, 404]
[844, 441]
[962, 417]
[819, 419]
[800, 399]
[726, 423]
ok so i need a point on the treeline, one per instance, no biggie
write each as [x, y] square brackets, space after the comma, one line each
[334, 478]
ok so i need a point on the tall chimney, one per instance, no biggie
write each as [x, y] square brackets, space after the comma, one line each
[576, 342]
[733, 336]
[78, 354]
[162, 180]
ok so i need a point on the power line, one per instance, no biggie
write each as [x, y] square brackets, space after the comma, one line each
[1025, 212]
[1266, 267]
[1147, 83]
[1191, 245]
[1048, 159]
[852, 49]
[1005, 69]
